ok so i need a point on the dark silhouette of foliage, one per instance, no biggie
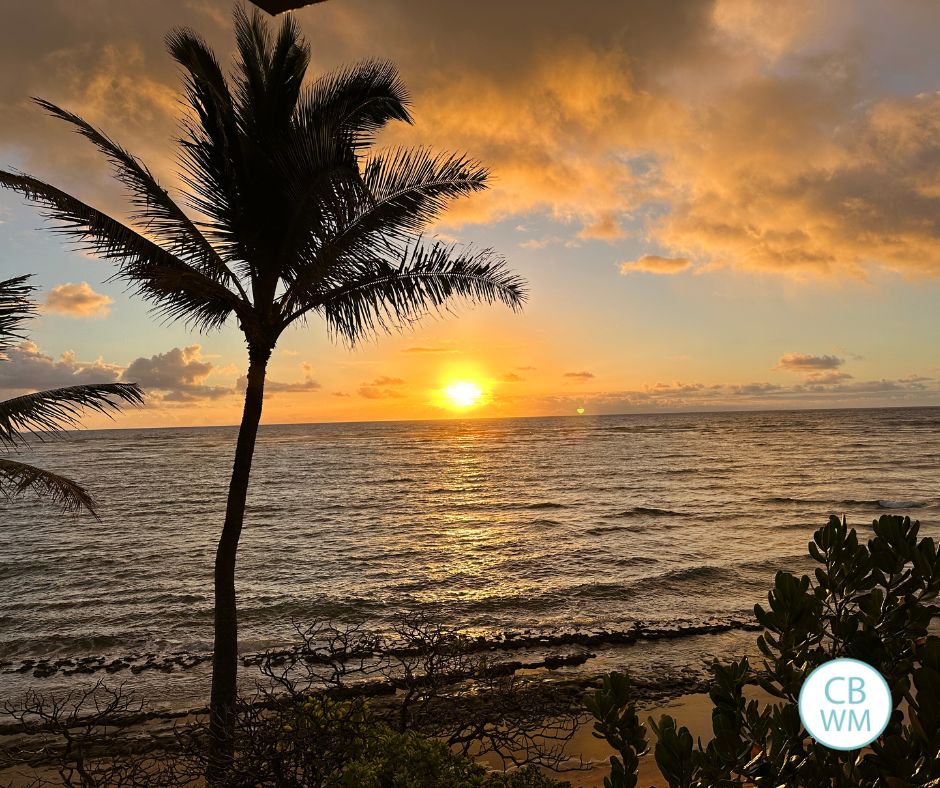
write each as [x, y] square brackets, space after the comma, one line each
[44, 414]
[871, 602]
[343, 707]
[435, 683]
[85, 734]
[616, 721]
[288, 214]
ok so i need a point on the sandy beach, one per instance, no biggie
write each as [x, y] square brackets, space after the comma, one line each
[693, 711]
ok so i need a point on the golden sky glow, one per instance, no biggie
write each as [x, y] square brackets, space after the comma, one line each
[716, 204]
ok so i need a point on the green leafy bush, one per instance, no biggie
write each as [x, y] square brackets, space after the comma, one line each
[871, 602]
[616, 721]
[337, 744]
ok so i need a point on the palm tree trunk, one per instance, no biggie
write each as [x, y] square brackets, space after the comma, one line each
[225, 652]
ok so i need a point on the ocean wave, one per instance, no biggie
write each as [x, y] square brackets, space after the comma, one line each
[600, 530]
[636, 560]
[878, 503]
[672, 580]
[786, 562]
[649, 511]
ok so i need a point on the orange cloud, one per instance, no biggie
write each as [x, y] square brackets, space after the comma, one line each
[78, 300]
[382, 388]
[654, 264]
[423, 350]
[676, 120]
[605, 228]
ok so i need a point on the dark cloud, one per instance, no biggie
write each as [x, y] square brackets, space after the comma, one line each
[27, 368]
[754, 389]
[584, 375]
[909, 390]
[743, 133]
[277, 387]
[512, 377]
[175, 376]
[808, 363]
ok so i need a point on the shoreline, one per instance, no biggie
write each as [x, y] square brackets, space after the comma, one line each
[508, 642]
[690, 709]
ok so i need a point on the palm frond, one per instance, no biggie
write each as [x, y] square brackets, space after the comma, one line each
[401, 193]
[270, 73]
[211, 155]
[409, 188]
[16, 307]
[317, 158]
[382, 296]
[156, 212]
[177, 289]
[18, 478]
[355, 102]
[49, 412]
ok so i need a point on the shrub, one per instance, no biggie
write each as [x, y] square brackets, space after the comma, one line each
[868, 601]
[338, 744]
[315, 742]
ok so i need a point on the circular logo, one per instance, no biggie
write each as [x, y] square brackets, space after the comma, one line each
[845, 704]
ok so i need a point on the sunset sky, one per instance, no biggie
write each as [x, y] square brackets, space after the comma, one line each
[717, 205]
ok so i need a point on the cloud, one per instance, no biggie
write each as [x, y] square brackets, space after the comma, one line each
[605, 228]
[671, 389]
[424, 350]
[799, 138]
[579, 375]
[277, 387]
[175, 376]
[382, 388]
[826, 378]
[654, 264]
[512, 377]
[910, 390]
[77, 300]
[807, 363]
[754, 389]
[27, 368]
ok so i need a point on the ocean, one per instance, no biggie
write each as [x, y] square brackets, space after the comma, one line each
[548, 526]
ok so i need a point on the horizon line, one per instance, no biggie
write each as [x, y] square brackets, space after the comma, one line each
[721, 411]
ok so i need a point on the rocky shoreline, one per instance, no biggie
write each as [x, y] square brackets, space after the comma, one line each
[508, 641]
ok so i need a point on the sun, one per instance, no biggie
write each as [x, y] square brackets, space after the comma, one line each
[463, 394]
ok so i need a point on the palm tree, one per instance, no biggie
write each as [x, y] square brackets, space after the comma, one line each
[45, 413]
[293, 217]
